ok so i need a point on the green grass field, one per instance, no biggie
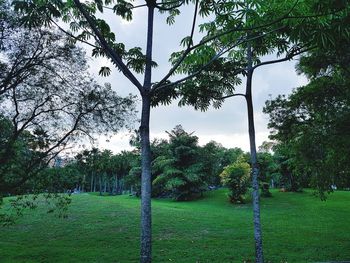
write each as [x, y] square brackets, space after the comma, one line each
[296, 228]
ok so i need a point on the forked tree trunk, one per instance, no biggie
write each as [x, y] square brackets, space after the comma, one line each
[255, 168]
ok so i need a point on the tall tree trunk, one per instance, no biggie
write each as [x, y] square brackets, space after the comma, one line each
[115, 185]
[100, 184]
[95, 183]
[83, 184]
[91, 182]
[118, 185]
[146, 215]
[110, 186]
[255, 168]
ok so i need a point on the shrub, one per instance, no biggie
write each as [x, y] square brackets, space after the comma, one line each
[237, 178]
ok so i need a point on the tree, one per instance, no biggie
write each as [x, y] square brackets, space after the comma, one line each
[58, 179]
[214, 157]
[310, 123]
[267, 167]
[180, 171]
[50, 101]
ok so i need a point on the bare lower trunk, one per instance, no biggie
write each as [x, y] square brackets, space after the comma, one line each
[146, 218]
[92, 182]
[255, 168]
[100, 181]
[115, 185]
[118, 186]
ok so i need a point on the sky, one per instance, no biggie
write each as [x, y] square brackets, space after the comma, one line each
[227, 125]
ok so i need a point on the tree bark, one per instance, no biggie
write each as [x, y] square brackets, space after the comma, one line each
[146, 179]
[100, 181]
[255, 168]
[146, 217]
[91, 182]
[95, 183]
[118, 185]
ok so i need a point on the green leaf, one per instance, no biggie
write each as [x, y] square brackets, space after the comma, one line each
[104, 71]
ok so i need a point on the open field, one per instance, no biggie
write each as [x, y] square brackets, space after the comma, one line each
[296, 228]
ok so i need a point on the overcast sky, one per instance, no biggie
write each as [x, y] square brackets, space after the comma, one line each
[227, 125]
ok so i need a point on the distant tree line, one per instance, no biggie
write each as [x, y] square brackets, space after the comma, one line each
[181, 169]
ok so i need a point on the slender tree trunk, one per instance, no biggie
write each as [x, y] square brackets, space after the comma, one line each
[121, 186]
[110, 186]
[146, 217]
[115, 185]
[100, 181]
[83, 184]
[95, 183]
[146, 183]
[255, 168]
[91, 182]
[118, 186]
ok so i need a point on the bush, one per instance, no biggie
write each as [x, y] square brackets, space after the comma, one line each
[237, 178]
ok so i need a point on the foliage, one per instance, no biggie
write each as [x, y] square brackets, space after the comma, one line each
[237, 178]
[213, 158]
[54, 203]
[310, 124]
[50, 101]
[180, 172]
[268, 168]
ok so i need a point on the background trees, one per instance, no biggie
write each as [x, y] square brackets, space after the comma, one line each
[311, 121]
[48, 101]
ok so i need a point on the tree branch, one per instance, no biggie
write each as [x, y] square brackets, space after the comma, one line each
[169, 8]
[187, 51]
[229, 96]
[112, 53]
[286, 58]
[73, 36]
[215, 57]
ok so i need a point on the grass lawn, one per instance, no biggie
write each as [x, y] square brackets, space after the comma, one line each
[296, 228]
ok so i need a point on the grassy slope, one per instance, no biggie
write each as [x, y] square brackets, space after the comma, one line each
[297, 228]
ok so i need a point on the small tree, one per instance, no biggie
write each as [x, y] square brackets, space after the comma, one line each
[180, 170]
[237, 178]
